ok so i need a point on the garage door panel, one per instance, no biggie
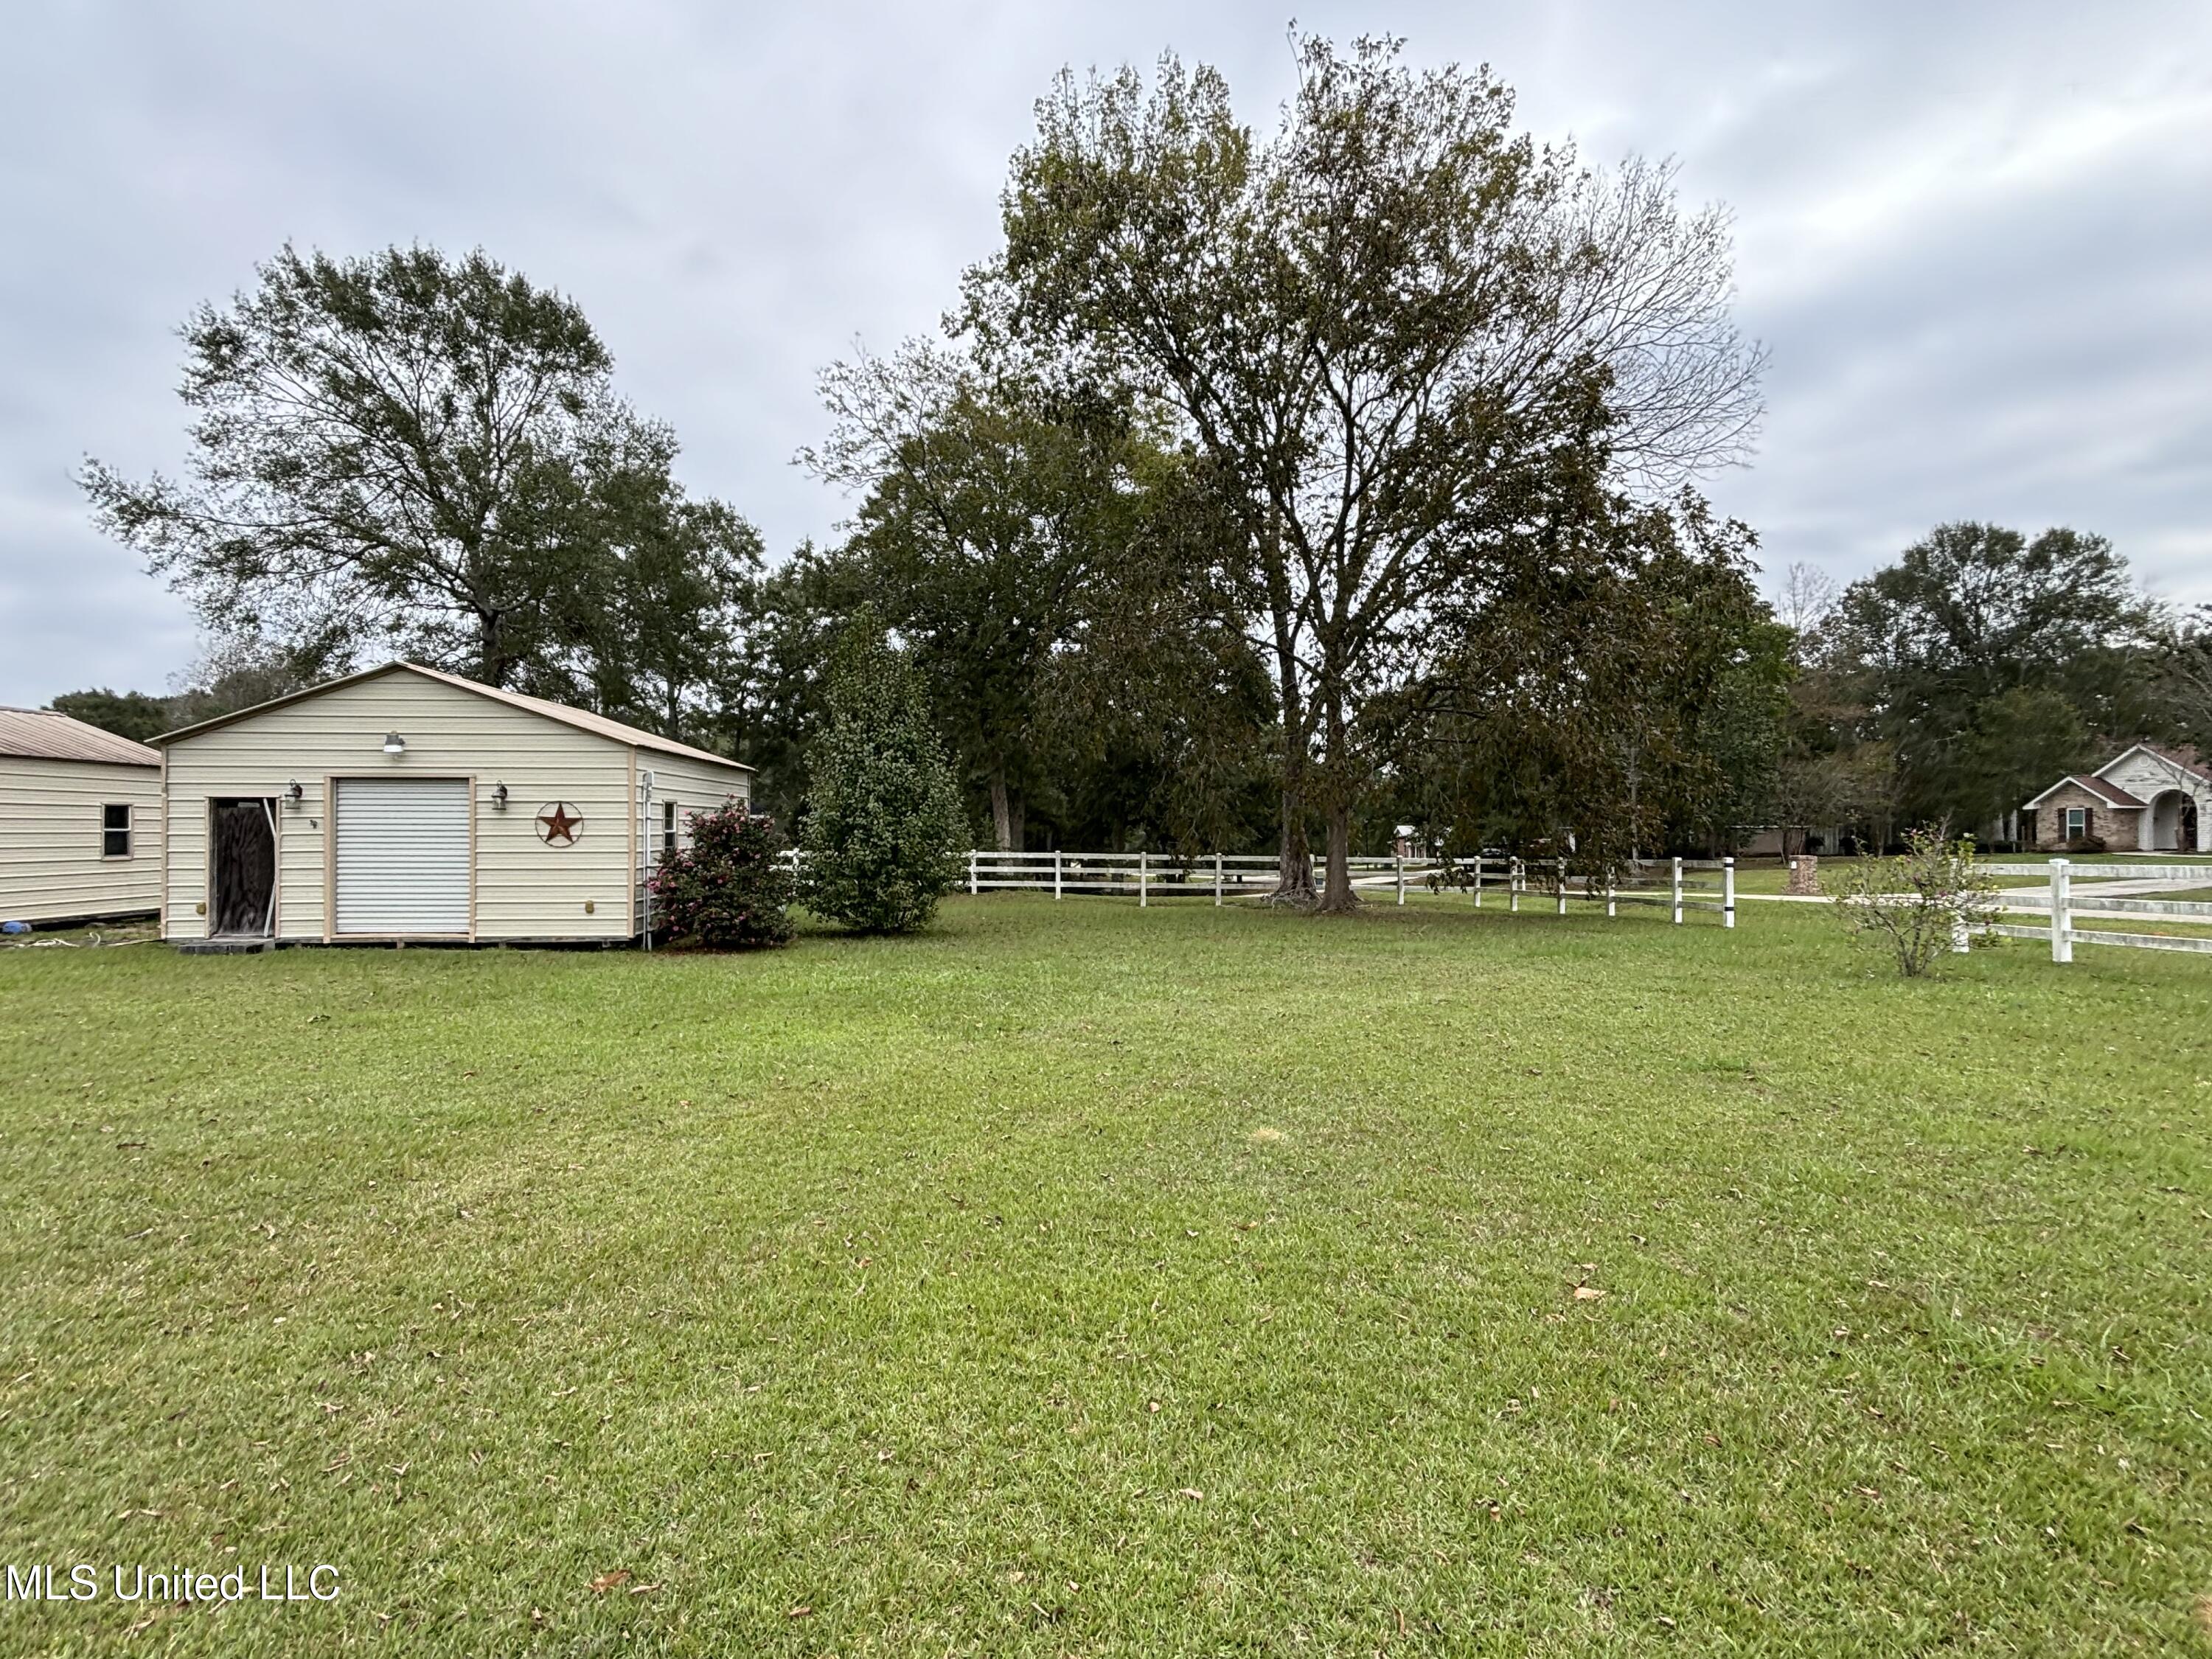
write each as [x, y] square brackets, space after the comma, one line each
[402, 855]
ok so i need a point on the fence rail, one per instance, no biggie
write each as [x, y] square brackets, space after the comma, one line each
[2059, 900]
[2196, 873]
[1222, 876]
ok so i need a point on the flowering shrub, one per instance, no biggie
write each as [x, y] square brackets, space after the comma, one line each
[730, 888]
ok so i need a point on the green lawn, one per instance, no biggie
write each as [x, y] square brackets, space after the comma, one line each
[1081, 1279]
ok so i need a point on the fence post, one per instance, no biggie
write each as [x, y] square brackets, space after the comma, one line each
[1401, 877]
[1678, 892]
[971, 872]
[1217, 881]
[1610, 903]
[1559, 880]
[2062, 906]
[1514, 870]
[1478, 877]
[1961, 945]
[1728, 892]
[1057, 855]
[1142, 895]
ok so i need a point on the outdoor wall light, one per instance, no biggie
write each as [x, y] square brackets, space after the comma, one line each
[293, 793]
[394, 743]
[499, 796]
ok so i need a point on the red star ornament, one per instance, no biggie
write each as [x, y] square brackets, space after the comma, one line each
[559, 824]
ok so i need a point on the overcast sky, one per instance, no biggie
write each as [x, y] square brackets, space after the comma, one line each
[1976, 239]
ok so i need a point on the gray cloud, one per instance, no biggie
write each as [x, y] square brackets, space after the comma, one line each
[1975, 237]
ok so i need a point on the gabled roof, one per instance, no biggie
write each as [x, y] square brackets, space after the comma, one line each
[2183, 760]
[598, 725]
[48, 734]
[2110, 794]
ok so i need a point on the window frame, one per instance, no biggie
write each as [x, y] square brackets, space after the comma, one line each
[109, 830]
[2075, 828]
[668, 822]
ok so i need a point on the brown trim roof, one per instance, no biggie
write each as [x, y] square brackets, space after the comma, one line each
[2110, 794]
[48, 734]
[598, 725]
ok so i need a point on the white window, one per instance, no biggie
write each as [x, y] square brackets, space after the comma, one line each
[668, 829]
[115, 831]
[2077, 822]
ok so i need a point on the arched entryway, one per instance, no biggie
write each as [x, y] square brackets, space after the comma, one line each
[2173, 822]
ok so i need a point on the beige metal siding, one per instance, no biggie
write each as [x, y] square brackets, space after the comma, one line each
[51, 868]
[694, 786]
[524, 888]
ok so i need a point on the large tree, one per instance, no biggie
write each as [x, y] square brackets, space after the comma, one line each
[1049, 563]
[414, 452]
[1989, 662]
[1383, 328]
[990, 504]
[1592, 698]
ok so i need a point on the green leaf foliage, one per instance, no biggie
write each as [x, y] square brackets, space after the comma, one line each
[1992, 663]
[131, 714]
[885, 826]
[730, 889]
[423, 455]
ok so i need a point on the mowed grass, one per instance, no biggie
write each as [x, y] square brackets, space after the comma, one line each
[1076, 1279]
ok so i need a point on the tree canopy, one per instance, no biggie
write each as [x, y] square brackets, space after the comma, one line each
[426, 455]
[1990, 663]
[1049, 563]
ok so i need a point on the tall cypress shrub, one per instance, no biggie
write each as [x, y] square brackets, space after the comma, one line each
[884, 825]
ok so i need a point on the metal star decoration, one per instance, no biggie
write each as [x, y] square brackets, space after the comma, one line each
[559, 824]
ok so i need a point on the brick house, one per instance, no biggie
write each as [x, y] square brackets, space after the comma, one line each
[2144, 800]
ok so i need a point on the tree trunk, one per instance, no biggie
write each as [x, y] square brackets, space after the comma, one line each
[1002, 812]
[1294, 883]
[1337, 896]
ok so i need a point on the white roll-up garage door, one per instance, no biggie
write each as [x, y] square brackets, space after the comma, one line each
[402, 855]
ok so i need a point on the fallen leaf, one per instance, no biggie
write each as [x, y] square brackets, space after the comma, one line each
[1588, 1293]
[800, 1611]
[1193, 1492]
[640, 1590]
[607, 1581]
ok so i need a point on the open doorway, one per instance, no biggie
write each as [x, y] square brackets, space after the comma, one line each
[2173, 823]
[243, 867]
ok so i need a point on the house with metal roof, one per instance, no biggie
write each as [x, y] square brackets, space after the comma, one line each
[405, 804]
[2144, 800]
[80, 822]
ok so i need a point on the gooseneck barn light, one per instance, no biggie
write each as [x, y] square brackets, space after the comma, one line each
[394, 743]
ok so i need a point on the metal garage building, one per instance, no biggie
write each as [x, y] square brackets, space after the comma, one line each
[80, 820]
[405, 804]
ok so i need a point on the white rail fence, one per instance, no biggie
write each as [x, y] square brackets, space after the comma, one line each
[1680, 885]
[2065, 905]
